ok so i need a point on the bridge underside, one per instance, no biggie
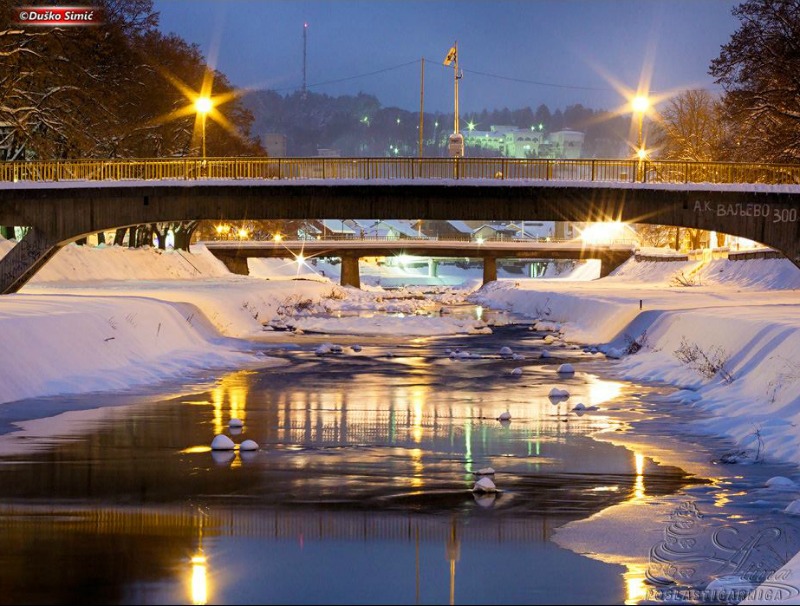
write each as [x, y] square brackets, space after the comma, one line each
[235, 259]
[62, 213]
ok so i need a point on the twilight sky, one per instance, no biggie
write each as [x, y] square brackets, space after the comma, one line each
[557, 52]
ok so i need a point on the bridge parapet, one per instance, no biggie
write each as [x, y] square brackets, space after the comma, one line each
[364, 169]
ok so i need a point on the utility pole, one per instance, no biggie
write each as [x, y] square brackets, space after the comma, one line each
[421, 103]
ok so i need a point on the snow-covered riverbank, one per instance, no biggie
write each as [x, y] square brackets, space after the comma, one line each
[731, 340]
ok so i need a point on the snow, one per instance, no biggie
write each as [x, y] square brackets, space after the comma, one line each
[485, 484]
[222, 442]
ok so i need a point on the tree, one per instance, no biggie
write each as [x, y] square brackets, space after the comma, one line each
[106, 92]
[758, 70]
[691, 128]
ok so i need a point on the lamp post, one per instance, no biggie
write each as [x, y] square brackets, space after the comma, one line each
[203, 105]
[640, 104]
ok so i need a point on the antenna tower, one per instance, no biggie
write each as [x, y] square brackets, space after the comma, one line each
[305, 56]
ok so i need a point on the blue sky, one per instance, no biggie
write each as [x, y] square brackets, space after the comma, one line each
[527, 51]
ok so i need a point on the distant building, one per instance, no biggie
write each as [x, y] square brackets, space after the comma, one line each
[275, 144]
[567, 143]
[512, 142]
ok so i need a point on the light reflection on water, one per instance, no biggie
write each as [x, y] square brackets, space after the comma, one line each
[362, 484]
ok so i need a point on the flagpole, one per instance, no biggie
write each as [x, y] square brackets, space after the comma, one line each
[455, 81]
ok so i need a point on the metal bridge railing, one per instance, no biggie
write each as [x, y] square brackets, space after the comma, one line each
[363, 169]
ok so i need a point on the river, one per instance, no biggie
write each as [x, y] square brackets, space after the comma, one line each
[361, 491]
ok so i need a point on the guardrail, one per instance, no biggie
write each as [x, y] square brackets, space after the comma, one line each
[631, 171]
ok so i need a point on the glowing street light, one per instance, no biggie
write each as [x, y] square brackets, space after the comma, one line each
[203, 105]
[640, 104]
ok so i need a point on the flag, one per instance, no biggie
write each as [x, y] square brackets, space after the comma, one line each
[451, 56]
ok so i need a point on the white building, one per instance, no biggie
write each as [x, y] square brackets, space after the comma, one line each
[512, 142]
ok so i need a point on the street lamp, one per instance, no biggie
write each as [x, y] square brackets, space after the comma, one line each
[203, 105]
[640, 105]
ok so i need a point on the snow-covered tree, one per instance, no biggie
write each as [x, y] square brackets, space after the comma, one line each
[760, 71]
[691, 128]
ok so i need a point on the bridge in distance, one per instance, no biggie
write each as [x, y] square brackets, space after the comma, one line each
[234, 254]
[64, 201]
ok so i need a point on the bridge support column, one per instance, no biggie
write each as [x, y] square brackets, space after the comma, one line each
[350, 274]
[489, 269]
[235, 265]
[611, 260]
[25, 259]
[433, 268]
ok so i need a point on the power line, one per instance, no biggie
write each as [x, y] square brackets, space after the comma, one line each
[469, 71]
[336, 81]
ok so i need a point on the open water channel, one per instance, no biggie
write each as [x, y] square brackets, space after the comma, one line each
[361, 489]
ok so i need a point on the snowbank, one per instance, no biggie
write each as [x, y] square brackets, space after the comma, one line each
[62, 344]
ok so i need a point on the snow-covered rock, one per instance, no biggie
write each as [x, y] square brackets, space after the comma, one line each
[545, 354]
[324, 349]
[222, 442]
[566, 369]
[793, 508]
[484, 485]
[506, 352]
[557, 392]
[485, 471]
[516, 372]
[248, 445]
[504, 416]
[235, 423]
[780, 483]
[355, 347]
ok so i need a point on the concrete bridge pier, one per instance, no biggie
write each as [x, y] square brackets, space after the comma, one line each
[235, 264]
[489, 269]
[350, 275]
[26, 258]
[433, 268]
[609, 261]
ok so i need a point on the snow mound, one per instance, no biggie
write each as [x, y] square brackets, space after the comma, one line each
[484, 485]
[222, 442]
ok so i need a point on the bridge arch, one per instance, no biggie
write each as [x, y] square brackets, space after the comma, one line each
[60, 213]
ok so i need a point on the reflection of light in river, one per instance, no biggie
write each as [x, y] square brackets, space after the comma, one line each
[416, 430]
[723, 497]
[479, 313]
[638, 486]
[232, 388]
[468, 445]
[635, 587]
[603, 391]
[199, 579]
[416, 462]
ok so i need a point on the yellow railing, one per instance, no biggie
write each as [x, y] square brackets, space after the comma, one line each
[359, 169]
